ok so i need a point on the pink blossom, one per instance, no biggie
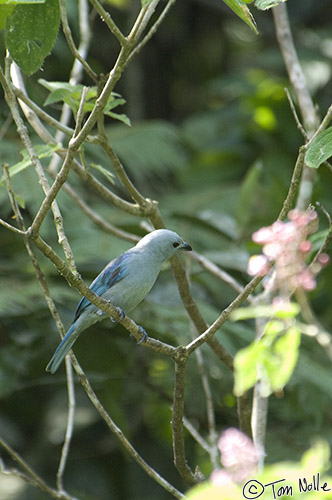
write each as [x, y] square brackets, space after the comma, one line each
[323, 259]
[258, 265]
[305, 246]
[263, 235]
[306, 280]
[286, 245]
[239, 458]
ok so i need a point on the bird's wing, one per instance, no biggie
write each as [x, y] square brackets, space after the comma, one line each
[113, 272]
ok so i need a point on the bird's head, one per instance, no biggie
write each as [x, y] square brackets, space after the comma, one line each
[163, 244]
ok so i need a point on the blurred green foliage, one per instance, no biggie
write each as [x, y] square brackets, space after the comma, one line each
[214, 141]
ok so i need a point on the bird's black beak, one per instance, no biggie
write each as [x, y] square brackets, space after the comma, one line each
[186, 247]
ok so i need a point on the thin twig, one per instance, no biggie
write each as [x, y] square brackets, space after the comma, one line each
[96, 218]
[292, 63]
[43, 284]
[122, 174]
[69, 426]
[32, 476]
[296, 118]
[76, 74]
[212, 268]
[80, 112]
[105, 193]
[25, 138]
[10, 227]
[142, 21]
[210, 412]
[17, 80]
[327, 241]
[196, 435]
[152, 30]
[121, 437]
[295, 181]
[41, 113]
[305, 102]
[223, 317]
[323, 125]
[76, 52]
[106, 17]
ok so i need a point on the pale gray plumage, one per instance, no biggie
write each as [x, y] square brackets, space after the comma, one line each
[125, 281]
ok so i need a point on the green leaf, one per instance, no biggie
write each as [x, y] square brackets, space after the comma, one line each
[267, 4]
[279, 364]
[121, 117]
[42, 151]
[271, 360]
[246, 364]
[242, 11]
[5, 10]
[68, 93]
[71, 95]
[287, 311]
[31, 31]
[320, 149]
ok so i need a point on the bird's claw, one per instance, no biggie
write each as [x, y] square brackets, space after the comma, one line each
[143, 333]
[121, 314]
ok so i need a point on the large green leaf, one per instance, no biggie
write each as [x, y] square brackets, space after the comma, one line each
[31, 31]
[241, 10]
[320, 149]
[5, 11]
[267, 4]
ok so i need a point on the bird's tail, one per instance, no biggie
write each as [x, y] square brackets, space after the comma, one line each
[63, 349]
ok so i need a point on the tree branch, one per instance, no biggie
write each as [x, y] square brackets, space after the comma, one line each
[306, 105]
[177, 422]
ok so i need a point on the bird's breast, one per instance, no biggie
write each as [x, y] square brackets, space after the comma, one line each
[133, 287]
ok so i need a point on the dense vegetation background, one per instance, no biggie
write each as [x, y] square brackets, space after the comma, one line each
[213, 139]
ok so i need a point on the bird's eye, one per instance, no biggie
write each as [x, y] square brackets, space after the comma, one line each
[176, 244]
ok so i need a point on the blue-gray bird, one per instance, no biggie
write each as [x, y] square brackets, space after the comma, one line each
[125, 281]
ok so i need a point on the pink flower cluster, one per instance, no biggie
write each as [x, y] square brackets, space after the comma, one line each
[286, 245]
[239, 458]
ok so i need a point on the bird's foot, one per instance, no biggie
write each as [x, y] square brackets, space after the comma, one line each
[121, 314]
[145, 336]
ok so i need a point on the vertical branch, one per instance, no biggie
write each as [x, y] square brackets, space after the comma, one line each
[259, 419]
[69, 426]
[306, 105]
[177, 422]
[119, 434]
